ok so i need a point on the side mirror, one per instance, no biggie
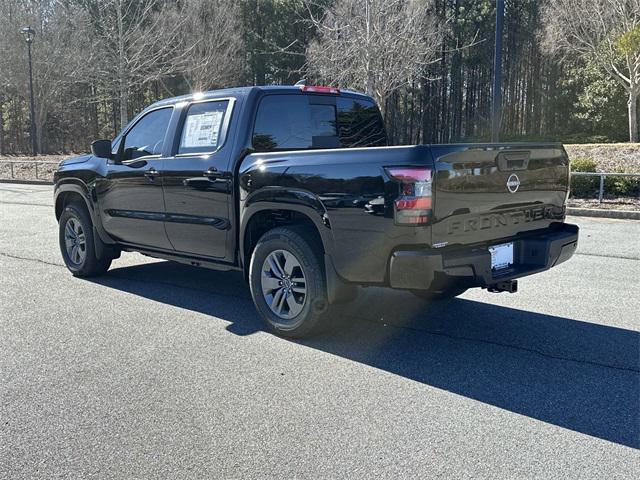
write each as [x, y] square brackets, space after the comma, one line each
[101, 148]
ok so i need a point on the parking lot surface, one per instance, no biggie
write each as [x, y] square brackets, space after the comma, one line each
[158, 370]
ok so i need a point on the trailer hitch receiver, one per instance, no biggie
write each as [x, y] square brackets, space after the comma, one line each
[510, 286]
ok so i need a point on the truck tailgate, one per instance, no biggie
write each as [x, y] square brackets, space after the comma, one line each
[488, 192]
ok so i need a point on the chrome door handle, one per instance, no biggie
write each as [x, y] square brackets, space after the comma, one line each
[151, 173]
[212, 172]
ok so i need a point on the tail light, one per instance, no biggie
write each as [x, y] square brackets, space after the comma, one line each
[319, 89]
[413, 205]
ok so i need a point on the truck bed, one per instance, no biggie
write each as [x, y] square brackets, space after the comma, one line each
[472, 203]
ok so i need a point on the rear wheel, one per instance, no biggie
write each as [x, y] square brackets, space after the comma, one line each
[77, 243]
[287, 282]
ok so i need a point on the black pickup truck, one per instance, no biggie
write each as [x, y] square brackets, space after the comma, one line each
[297, 188]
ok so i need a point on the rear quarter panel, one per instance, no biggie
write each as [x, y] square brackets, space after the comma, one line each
[335, 187]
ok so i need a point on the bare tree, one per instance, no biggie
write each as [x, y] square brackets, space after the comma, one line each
[57, 63]
[7, 54]
[374, 45]
[606, 32]
[211, 46]
[134, 44]
[8, 42]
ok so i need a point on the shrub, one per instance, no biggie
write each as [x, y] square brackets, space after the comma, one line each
[583, 187]
[622, 186]
[583, 164]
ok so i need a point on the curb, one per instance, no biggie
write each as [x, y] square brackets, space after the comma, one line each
[26, 182]
[595, 212]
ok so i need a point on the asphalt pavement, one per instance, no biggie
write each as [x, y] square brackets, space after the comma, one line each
[158, 370]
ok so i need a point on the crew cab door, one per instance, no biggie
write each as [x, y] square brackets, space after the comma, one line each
[197, 181]
[130, 195]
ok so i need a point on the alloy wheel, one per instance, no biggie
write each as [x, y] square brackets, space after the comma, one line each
[284, 285]
[75, 241]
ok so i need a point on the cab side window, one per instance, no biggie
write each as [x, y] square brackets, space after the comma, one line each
[282, 123]
[147, 135]
[202, 129]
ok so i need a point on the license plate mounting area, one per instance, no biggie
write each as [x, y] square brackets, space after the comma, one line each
[501, 257]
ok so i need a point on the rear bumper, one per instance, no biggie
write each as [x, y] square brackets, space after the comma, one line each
[534, 251]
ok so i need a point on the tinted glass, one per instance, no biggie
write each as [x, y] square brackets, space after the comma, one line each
[115, 145]
[202, 127]
[303, 121]
[147, 135]
[323, 120]
[360, 123]
[283, 122]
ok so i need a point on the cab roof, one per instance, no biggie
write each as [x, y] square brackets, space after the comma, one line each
[244, 91]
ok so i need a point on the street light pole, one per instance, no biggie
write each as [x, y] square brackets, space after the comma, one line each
[29, 34]
[496, 100]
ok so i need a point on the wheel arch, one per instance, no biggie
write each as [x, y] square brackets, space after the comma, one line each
[260, 218]
[76, 190]
[264, 217]
[67, 192]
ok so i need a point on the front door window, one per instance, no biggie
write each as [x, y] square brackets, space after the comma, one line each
[147, 135]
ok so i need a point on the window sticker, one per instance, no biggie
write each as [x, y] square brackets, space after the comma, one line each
[202, 130]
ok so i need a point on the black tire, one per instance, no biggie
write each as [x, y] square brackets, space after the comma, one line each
[434, 295]
[313, 316]
[85, 262]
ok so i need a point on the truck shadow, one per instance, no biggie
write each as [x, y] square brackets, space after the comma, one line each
[576, 375]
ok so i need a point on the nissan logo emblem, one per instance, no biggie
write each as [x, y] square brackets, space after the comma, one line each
[513, 183]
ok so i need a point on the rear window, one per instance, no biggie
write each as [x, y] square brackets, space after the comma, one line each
[360, 124]
[295, 122]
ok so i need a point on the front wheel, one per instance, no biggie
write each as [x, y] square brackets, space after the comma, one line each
[77, 245]
[287, 281]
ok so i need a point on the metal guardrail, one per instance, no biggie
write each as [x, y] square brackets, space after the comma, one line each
[602, 176]
[27, 162]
